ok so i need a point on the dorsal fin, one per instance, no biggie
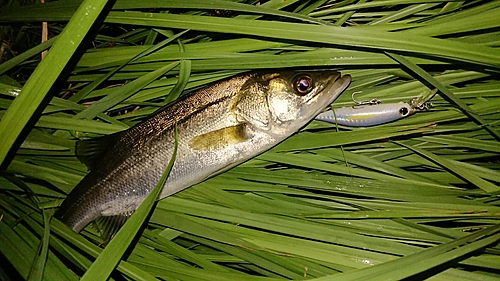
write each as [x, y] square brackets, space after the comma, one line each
[108, 226]
[89, 151]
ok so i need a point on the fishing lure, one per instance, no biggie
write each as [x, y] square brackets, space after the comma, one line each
[373, 112]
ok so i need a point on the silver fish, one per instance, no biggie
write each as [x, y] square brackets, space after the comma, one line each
[219, 127]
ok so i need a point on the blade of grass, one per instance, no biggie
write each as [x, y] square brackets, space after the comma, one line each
[370, 163]
[17, 60]
[490, 146]
[72, 124]
[90, 249]
[34, 92]
[89, 88]
[454, 169]
[38, 266]
[311, 162]
[410, 10]
[15, 247]
[337, 36]
[477, 22]
[376, 4]
[411, 265]
[451, 6]
[184, 73]
[124, 92]
[309, 140]
[179, 251]
[213, 5]
[59, 11]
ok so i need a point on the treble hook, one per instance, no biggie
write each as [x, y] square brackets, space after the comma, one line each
[370, 102]
[422, 102]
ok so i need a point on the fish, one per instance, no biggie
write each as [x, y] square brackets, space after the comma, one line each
[367, 115]
[219, 127]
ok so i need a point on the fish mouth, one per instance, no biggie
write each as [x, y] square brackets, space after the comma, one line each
[333, 80]
[332, 90]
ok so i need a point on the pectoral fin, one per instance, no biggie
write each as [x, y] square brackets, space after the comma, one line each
[220, 139]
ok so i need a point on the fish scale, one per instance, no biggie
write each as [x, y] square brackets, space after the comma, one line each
[219, 127]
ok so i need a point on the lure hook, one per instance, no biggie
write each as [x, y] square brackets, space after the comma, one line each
[423, 102]
[370, 102]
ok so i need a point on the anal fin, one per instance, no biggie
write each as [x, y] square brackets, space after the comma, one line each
[108, 226]
[221, 138]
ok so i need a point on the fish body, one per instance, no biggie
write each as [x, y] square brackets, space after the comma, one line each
[218, 126]
[367, 115]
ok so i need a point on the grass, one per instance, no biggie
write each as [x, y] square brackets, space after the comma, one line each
[413, 199]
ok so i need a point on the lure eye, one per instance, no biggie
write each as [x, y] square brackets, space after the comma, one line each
[403, 111]
[303, 85]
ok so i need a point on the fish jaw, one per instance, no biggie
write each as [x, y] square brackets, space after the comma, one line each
[332, 92]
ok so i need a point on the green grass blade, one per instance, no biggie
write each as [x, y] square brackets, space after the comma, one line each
[404, 13]
[72, 124]
[89, 88]
[491, 146]
[376, 4]
[124, 92]
[184, 73]
[55, 11]
[38, 266]
[308, 140]
[477, 22]
[35, 91]
[456, 170]
[177, 250]
[413, 264]
[17, 60]
[336, 36]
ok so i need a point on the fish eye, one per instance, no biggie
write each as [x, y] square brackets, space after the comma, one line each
[403, 111]
[303, 84]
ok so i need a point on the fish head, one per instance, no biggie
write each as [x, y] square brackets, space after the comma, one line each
[283, 102]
